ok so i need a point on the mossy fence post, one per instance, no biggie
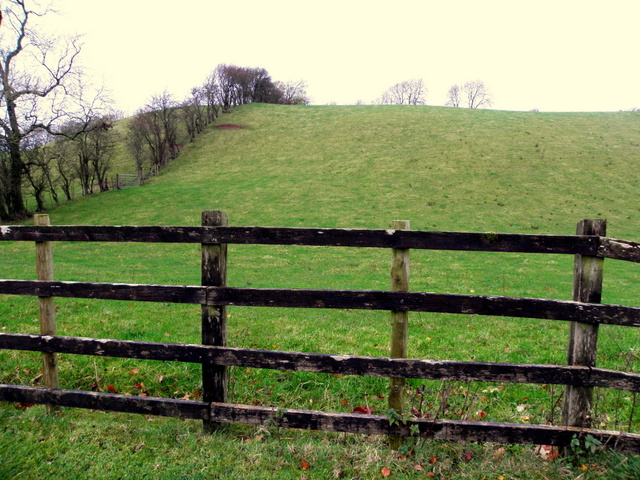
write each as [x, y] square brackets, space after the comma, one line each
[583, 337]
[214, 317]
[399, 325]
[47, 308]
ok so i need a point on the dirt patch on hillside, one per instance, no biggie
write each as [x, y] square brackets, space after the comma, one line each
[229, 127]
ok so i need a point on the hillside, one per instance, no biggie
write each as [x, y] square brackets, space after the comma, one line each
[442, 168]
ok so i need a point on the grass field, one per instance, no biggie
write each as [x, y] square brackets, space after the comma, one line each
[361, 166]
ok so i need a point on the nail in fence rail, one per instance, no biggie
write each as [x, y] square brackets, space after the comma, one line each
[213, 412]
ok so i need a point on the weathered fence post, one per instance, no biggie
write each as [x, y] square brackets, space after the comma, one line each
[44, 271]
[399, 322]
[583, 337]
[214, 317]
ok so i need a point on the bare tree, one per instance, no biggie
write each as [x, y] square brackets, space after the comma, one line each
[164, 111]
[36, 76]
[453, 96]
[227, 86]
[38, 161]
[409, 92]
[87, 150]
[210, 92]
[144, 126]
[193, 113]
[477, 94]
[292, 93]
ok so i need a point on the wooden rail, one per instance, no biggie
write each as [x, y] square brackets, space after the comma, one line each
[590, 247]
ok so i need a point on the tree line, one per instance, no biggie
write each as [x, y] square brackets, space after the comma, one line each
[472, 94]
[57, 132]
[152, 136]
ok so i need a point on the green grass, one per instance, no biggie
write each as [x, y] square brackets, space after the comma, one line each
[361, 167]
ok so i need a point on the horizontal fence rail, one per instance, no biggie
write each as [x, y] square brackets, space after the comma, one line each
[326, 363]
[335, 299]
[603, 247]
[585, 313]
[440, 429]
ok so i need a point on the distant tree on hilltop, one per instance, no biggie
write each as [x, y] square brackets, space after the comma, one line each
[409, 92]
[292, 93]
[475, 92]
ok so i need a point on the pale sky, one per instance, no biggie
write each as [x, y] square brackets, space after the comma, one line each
[552, 55]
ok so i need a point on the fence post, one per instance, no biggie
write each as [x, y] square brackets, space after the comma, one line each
[47, 308]
[399, 322]
[214, 317]
[583, 337]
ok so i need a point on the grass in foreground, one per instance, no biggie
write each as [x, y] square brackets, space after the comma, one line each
[83, 444]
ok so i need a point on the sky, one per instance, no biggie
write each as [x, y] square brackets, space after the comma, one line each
[550, 55]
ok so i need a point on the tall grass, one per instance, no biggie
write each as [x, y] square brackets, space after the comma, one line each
[364, 166]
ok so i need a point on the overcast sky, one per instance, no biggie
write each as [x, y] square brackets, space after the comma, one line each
[553, 55]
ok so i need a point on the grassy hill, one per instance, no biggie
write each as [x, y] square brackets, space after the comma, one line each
[443, 168]
[356, 166]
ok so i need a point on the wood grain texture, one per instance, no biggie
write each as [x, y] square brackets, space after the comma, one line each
[326, 363]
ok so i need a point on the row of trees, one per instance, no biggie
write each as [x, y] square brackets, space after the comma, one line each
[153, 138]
[473, 94]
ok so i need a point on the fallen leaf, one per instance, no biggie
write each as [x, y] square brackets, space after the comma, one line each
[138, 447]
[386, 471]
[418, 467]
[365, 410]
[135, 371]
[431, 474]
[432, 459]
[468, 456]
[112, 389]
[305, 465]
[499, 453]
[24, 406]
[344, 402]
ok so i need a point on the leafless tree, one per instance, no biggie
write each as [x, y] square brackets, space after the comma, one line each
[163, 109]
[225, 79]
[88, 152]
[292, 93]
[477, 94]
[409, 92]
[144, 126]
[193, 113]
[453, 96]
[210, 92]
[38, 165]
[37, 76]
[64, 166]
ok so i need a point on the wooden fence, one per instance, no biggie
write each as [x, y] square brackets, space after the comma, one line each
[590, 246]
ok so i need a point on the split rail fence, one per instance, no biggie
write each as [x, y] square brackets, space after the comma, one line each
[585, 313]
